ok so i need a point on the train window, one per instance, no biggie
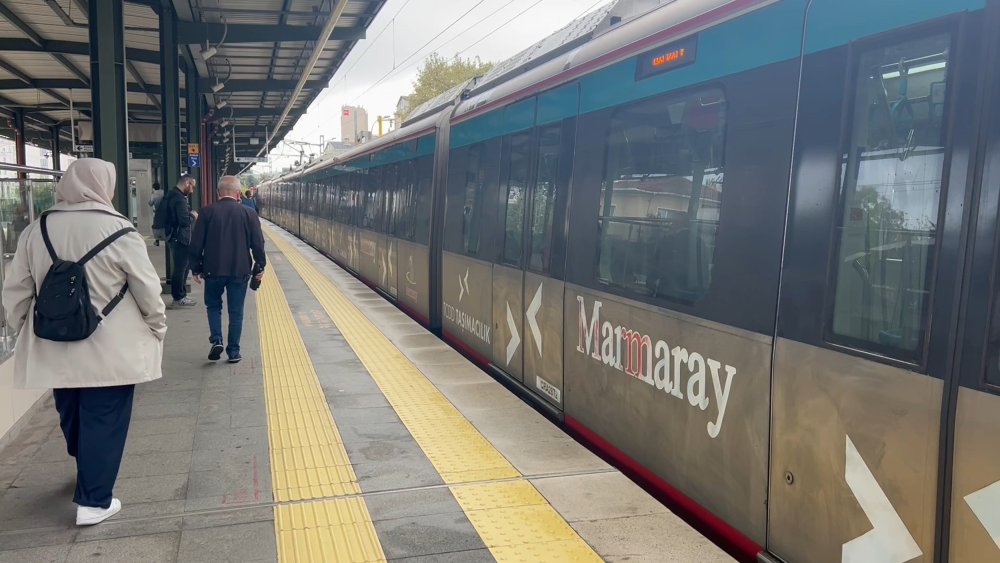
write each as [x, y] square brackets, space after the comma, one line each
[661, 196]
[544, 197]
[517, 187]
[475, 188]
[891, 189]
[424, 170]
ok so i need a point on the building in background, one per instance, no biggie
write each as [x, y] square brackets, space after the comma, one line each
[353, 125]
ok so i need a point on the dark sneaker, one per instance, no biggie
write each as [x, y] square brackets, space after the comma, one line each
[235, 359]
[216, 352]
[185, 302]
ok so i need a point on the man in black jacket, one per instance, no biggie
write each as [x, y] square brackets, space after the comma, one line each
[227, 248]
[177, 218]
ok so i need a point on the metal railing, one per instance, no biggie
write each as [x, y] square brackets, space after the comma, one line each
[23, 197]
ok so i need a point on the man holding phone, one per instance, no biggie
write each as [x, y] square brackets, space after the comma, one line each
[227, 249]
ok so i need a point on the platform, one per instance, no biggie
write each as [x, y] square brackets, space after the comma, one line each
[348, 433]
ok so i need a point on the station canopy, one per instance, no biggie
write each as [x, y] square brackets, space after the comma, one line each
[259, 65]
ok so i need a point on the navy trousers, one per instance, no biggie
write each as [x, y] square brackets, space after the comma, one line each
[95, 422]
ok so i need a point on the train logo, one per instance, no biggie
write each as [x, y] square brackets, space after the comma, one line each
[610, 345]
[463, 286]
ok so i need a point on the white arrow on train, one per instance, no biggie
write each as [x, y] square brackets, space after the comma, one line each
[515, 338]
[985, 504]
[531, 315]
[888, 541]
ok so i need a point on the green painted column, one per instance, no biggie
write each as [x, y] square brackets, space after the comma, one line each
[193, 106]
[170, 98]
[107, 91]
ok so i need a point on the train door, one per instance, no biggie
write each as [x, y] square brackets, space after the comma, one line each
[508, 273]
[974, 521]
[869, 288]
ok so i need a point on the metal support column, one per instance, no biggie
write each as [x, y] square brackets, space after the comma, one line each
[193, 106]
[20, 156]
[107, 91]
[170, 99]
[56, 154]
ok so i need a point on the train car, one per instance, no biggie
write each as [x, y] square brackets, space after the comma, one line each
[746, 248]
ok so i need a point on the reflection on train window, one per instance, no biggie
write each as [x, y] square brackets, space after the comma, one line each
[517, 186]
[424, 170]
[661, 196]
[891, 183]
[544, 198]
[472, 210]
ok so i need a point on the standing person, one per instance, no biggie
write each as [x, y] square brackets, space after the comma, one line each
[156, 197]
[249, 201]
[93, 378]
[227, 247]
[154, 202]
[177, 218]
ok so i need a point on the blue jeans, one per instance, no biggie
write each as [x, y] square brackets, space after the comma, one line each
[235, 289]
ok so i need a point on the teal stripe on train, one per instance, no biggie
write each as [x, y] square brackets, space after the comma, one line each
[422, 146]
[769, 35]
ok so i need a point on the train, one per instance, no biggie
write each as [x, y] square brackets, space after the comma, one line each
[747, 249]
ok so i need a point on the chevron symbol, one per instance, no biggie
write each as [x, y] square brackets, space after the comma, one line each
[463, 285]
[888, 541]
[985, 504]
[532, 317]
[515, 338]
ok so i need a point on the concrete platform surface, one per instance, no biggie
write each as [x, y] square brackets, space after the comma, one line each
[378, 442]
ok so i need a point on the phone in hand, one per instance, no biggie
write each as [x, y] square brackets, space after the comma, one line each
[254, 283]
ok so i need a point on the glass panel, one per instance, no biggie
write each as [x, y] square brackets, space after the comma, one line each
[892, 176]
[544, 198]
[422, 221]
[475, 186]
[517, 185]
[661, 196]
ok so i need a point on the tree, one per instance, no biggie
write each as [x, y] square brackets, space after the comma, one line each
[438, 75]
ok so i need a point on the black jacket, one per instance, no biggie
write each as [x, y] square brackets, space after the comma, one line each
[178, 220]
[227, 241]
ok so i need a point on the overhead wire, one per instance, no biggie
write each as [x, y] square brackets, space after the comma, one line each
[417, 51]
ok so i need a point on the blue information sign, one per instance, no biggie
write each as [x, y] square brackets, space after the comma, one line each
[194, 160]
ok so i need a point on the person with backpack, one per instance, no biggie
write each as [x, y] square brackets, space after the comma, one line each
[84, 300]
[173, 222]
[227, 248]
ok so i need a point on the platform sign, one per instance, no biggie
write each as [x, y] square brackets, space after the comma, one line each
[250, 159]
[193, 149]
[194, 160]
[86, 148]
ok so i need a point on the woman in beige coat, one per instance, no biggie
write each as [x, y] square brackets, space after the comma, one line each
[93, 380]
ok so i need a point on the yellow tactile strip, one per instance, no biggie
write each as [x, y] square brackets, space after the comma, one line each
[518, 524]
[513, 519]
[308, 458]
[330, 530]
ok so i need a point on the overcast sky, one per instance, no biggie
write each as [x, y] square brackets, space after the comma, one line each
[383, 67]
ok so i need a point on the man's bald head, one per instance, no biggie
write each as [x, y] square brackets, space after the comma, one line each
[229, 186]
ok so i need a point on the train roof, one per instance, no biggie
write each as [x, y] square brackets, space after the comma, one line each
[599, 38]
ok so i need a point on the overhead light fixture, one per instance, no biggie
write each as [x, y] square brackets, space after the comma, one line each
[224, 124]
[208, 53]
[221, 104]
[217, 87]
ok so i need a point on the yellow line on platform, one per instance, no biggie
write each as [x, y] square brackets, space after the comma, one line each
[515, 522]
[308, 458]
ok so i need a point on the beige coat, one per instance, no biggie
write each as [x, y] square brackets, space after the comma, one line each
[128, 346]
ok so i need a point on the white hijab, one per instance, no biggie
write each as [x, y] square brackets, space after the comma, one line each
[87, 180]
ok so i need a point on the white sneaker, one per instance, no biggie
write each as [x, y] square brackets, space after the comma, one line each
[88, 515]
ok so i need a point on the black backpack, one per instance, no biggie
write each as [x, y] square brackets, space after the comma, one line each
[63, 311]
[162, 220]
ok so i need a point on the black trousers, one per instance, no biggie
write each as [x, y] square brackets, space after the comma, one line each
[95, 422]
[179, 272]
